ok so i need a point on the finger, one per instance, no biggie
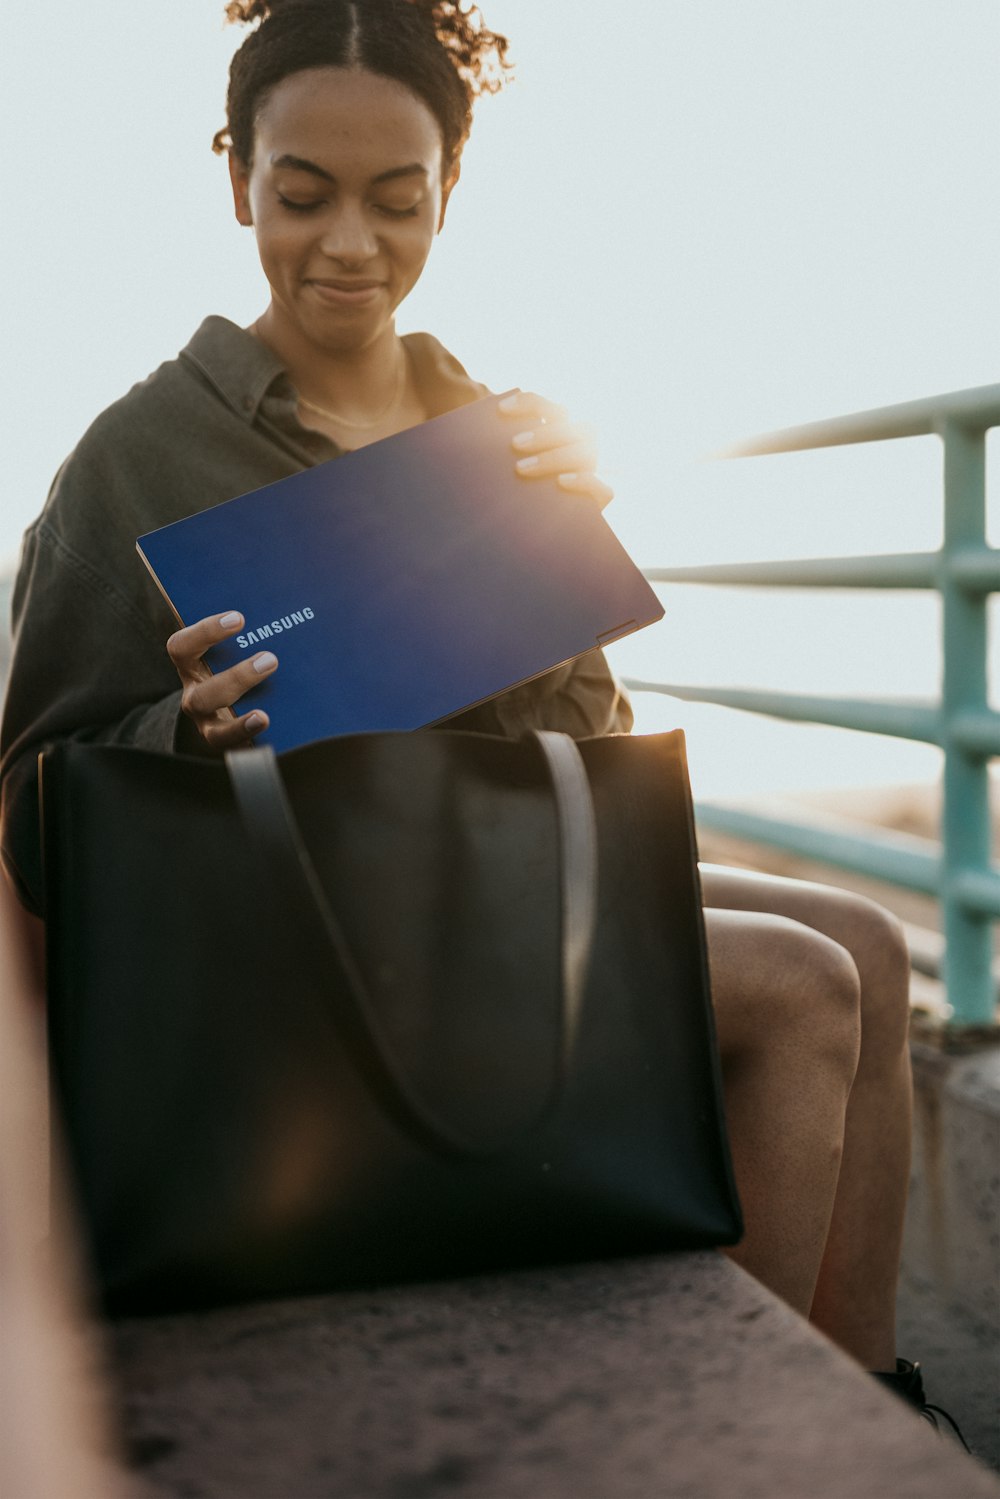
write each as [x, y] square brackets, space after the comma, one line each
[589, 486]
[525, 404]
[559, 435]
[227, 732]
[187, 646]
[207, 695]
[575, 458]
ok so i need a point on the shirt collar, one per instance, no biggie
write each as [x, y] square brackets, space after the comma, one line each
[239, 366]
[441, 380]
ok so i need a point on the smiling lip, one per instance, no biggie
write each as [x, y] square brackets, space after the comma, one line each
[346, 293]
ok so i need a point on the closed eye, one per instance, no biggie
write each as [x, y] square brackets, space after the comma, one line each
[308, 207]
[387, 210]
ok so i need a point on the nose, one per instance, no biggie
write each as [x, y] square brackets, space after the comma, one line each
[348, 235]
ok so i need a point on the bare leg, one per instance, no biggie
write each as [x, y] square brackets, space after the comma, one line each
[855, 1298]
[786, 1002]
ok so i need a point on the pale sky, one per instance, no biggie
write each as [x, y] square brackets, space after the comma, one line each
[687, 221]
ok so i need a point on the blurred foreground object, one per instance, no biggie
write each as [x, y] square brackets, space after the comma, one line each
[55, 1440]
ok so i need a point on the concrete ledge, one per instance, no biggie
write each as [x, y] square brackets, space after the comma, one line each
[949, 1294]
[953, 1216]
[675, 1376]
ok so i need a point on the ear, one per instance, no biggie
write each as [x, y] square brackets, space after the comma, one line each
[239, 176]
[446, 192]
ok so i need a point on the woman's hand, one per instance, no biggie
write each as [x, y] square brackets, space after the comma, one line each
[548, 443]
[206, 695]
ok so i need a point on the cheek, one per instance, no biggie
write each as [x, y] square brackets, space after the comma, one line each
[413, 249]
[281, 242]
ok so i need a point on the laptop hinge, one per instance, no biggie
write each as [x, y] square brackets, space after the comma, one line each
[606, 636]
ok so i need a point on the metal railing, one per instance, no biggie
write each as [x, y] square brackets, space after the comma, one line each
[964, 571]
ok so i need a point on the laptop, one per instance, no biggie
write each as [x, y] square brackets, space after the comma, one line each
[403, 583]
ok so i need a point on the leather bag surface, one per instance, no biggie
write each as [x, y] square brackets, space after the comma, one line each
[361, 1014]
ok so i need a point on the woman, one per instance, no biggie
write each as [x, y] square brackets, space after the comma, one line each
[346, 123]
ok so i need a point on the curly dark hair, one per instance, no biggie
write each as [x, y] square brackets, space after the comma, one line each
[439, 49]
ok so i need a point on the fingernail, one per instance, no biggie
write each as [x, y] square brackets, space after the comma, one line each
[253, 723]
[227, 621]
[524, 464]
[523, 439]
[569, 481]
[264, 661]
[509, 403]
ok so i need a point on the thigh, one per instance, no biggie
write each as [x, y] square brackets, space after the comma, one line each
[852, 920]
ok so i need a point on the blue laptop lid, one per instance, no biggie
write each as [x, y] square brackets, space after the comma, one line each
[403, 583]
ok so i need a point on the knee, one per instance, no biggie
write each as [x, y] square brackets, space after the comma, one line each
[788, 988]
[875, 935]
[877, 941]
[819, 994]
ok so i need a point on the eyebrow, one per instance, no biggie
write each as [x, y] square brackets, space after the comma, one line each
[300, 164]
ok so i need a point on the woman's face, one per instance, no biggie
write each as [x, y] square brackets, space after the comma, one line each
[345, 197]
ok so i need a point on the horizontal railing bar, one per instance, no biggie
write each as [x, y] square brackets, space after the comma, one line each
[899, 720]
[978, 890]
[890, 858]
[976, 408]
[887, 857]
[976, 568]
[905, 570]
[976, 730]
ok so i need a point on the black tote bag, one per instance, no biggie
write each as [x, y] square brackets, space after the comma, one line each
[328, 1020]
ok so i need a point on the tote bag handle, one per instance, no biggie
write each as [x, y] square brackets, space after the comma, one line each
[270, 822]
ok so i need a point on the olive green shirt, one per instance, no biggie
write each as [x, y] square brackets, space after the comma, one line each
[90, 625]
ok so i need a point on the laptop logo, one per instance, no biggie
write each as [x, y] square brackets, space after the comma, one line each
[264, 632]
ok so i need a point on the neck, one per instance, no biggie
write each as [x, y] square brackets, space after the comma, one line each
[352, 382]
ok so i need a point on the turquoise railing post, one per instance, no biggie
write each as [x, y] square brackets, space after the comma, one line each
[965, 823]
[966, 570]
